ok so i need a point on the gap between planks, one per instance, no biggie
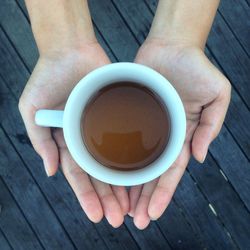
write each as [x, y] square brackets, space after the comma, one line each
[113, 53]
[20, 209]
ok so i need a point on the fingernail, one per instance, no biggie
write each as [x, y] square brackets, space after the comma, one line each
[47, 170]
[112, 223]
[45, 167]
[204, 157]
[109, 220]
[153, 219]
[141, 225]
[131, 214]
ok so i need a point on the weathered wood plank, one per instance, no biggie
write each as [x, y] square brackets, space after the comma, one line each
[237, 121]
[29, 197]
[237, 16]
[13, 222]
[15, 74]
[4, 242]
[137, 17]
[233, 59]
[203, 220]
[148, 239]
[116, 238]
[112, 27]
[69, 212]
[12, 21]
[230, 209]
[233, 163]
[177, 230]
[238, 116]
[22, 5]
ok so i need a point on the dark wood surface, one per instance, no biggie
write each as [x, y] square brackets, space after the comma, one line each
[211, 207]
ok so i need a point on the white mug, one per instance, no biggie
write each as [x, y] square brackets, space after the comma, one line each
[69, 121]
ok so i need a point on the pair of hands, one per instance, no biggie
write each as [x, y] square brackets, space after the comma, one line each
[204, 91]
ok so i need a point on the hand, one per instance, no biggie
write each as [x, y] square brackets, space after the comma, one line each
[205, 93]
[48, 88]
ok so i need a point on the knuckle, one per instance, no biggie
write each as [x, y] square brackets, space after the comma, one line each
[73, 171]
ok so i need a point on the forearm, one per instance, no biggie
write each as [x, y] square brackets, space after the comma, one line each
[186, 21]
[60, 24]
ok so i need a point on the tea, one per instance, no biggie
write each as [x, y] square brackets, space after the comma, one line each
[125, 126]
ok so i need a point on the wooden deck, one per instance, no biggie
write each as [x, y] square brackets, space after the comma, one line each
[211, 208]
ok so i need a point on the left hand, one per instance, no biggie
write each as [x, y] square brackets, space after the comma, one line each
[49, 86]
[205, 93]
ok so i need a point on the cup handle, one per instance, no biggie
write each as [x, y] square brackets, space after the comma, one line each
[49, 118]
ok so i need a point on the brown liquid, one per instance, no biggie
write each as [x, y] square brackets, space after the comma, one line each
[125, 126]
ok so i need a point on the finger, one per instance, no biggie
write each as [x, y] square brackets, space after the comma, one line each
[40, 138]
[141, 216]
[110, 204]
[167, 184]
[134, 194]
[82, 187]
[211, 121]
[121, 195]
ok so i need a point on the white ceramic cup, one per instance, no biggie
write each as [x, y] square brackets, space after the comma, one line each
[69, 120]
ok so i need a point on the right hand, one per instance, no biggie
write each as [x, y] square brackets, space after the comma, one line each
[48, 88]
[205, 93]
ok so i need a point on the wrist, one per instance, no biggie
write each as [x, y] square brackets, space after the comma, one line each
[55, 44]
[54, 39]
[173, 40]
[183, 22]
[169, 52]
[171, 44]
[62, 53]
[60, 25]
[171, 32]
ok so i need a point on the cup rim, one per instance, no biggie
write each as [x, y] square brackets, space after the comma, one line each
[101, 77]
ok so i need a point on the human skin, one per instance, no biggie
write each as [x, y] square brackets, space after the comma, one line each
[68, 50]
[175, 48]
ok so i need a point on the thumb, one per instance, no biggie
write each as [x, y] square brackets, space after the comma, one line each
[211, 121]
[40, 138]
